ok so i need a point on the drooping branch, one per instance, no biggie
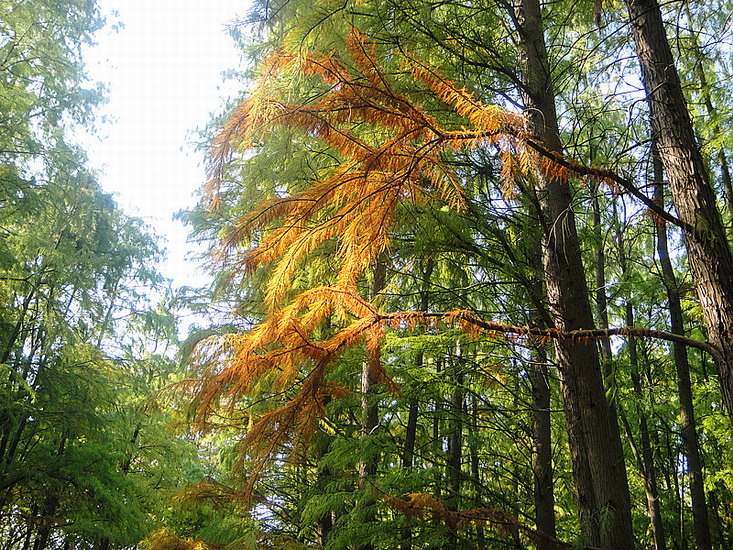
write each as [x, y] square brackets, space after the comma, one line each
[391, 150]
[427, 507]
[469, 322]
[606, 175]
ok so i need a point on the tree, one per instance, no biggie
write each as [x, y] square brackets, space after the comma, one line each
[367, 155]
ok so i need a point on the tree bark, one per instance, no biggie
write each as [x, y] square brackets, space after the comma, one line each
[694, 200]
[542, 472]
[539, 378]
[595, 443]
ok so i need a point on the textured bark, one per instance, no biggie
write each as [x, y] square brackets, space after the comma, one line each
[595, 443]
[708, 254]
[707, 100]
[542, 471]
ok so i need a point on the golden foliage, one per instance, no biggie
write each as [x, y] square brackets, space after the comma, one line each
[164, 539]
[390, 149]
[217, 495]
[427, 507]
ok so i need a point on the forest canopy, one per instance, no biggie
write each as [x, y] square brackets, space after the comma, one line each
[471, 287]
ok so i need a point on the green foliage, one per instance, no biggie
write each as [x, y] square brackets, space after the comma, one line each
[472, 400]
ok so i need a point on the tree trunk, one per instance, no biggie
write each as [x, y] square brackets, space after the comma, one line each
[712, 114]
[369, 408]
[539, 378]
[413, 409]
[544, 497]
[595, 443]
[690, 442]
[708, 254]
[455, 435]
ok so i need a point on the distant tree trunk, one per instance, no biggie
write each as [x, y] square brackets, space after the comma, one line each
[325, 522]
[475, 466]
[645, 458]
[413, 410]
[600, 291]
[688, 425]
[48, 512]
[544, 496]
[708, 253]
[594, 439]
[29, 530]
[455, 434]
[539, 378]
[437, 434]
[369, 409]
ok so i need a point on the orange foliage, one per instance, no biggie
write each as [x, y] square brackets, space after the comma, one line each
[163, 539]
[391, 149]
[427, 507]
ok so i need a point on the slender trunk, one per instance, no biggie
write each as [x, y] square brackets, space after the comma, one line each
[708, 254]
[544, 497]
[475, 467]
[324, 524]
[455, 435]
[48, 513]
[542, 471]
[413, 409]
[690, 442]
[369, 408]
[410, 431]
[645, 457]
[600, 290]
[407, 461]
[595, 443]
[29, 531]
[437, 435]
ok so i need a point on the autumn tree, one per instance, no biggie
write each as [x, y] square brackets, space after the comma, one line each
[367, 155]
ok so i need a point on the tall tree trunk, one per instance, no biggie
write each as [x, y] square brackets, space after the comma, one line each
[544, 496]
[600, 291]
[690, 442]
[369, 408]
[645, 458]
[595, 443]
[539, 378]
[413, 410]
[708, 253]
[455, 434]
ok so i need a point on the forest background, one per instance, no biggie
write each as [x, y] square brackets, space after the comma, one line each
[472, 287]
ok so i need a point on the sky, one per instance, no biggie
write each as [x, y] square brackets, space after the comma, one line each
[164, 70]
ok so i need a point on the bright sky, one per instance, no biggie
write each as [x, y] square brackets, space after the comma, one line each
[164, 70]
